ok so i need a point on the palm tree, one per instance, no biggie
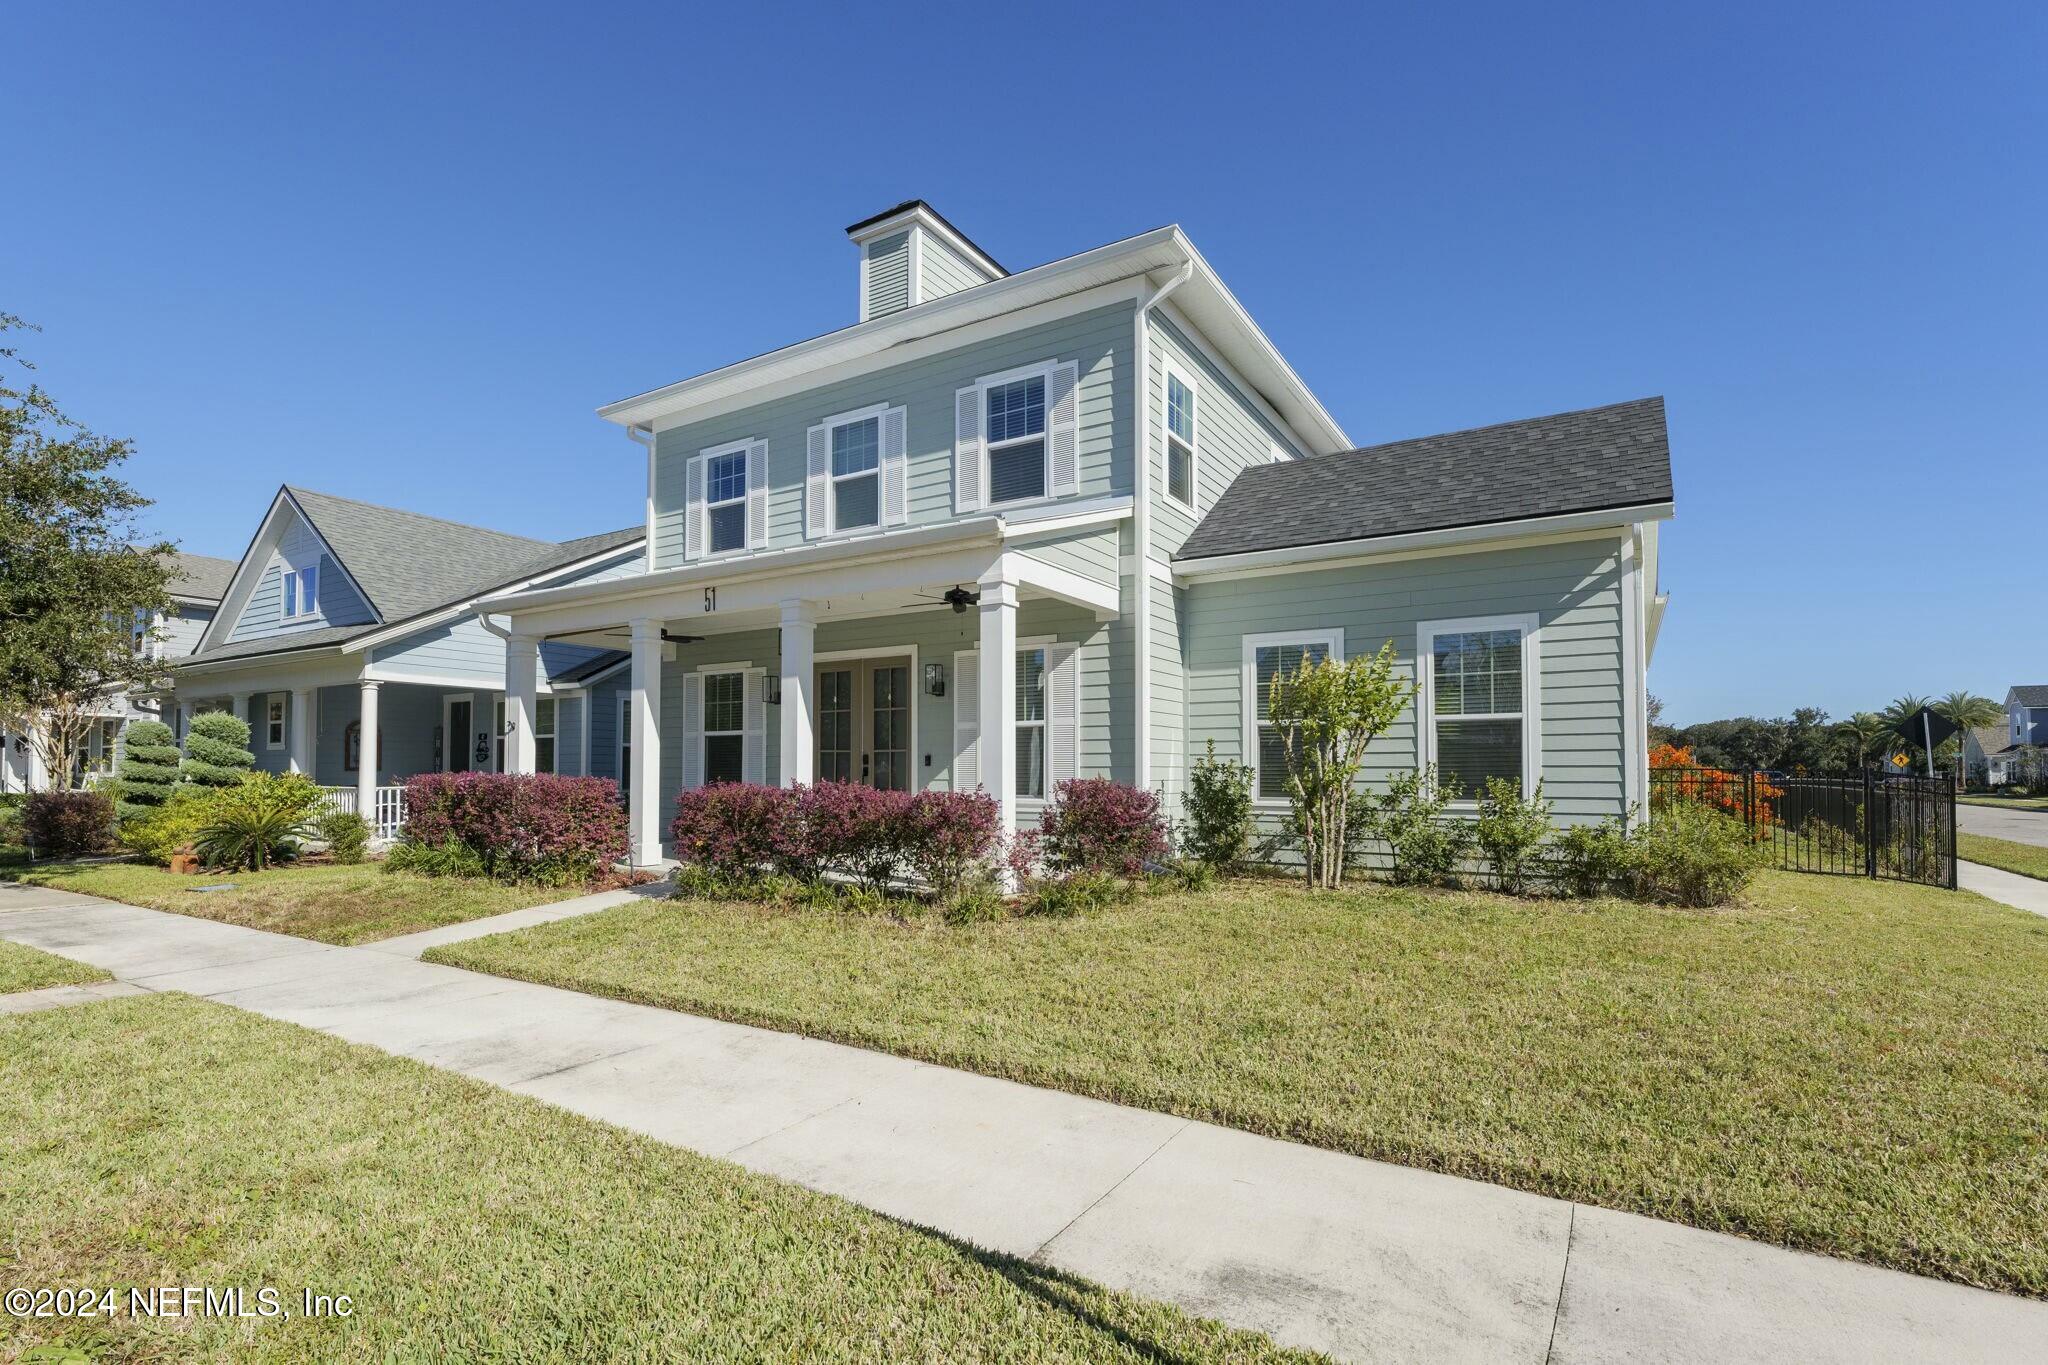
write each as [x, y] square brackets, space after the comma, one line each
[1867, 735]
[1899, 716]
[1967, 711]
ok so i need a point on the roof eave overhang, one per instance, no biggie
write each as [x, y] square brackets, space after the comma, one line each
[195, 666]
[1204, 299]
[427, 620]
[1366, 547]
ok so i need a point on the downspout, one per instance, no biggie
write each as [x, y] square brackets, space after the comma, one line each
[643, 435]
[1141, 522]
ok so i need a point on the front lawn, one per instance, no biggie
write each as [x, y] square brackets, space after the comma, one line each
[328, 902]
[2029, 860]
[1850, 1067]
[466, 1222]
[31, 969]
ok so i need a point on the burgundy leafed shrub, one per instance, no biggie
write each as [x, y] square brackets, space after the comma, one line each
[949, 837]
[731, 828]
[67, 824]
[855, 830]
[522, 826]
[1096, 825]
[843, 828]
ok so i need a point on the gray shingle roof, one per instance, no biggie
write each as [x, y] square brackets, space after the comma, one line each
[1597, 458]
[1990, 738]
[2031, 694]
[202, 578]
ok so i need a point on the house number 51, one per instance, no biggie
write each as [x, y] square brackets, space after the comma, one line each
[710, 600]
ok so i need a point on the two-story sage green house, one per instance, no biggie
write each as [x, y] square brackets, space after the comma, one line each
[1007, 529]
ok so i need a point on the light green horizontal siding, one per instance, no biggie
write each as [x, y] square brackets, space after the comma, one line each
[1099, 341]
[944, 271]
[1169, 696]
[1091, 553]
[1573, 588]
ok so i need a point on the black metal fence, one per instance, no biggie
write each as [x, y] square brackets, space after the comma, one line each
[1863, 824]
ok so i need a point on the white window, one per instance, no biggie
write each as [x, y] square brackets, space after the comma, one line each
[1179, 429]
[544, 735]
[109, 742]
[1031, 758]
[301, 591]
[273, 721]
[1267, 657]
[1477, 686]
[725, 727]
[725, 501]
[856, 477]
[1016, 440]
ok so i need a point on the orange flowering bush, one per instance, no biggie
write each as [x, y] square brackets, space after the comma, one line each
[1714, 787]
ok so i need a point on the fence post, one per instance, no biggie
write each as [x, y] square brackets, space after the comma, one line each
[1952, 840]
[1869, 824]
[1749, 802]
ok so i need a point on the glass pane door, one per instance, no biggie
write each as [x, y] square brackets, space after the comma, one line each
[458, 736]
[836, 751]
[863, 719]
[889, 724]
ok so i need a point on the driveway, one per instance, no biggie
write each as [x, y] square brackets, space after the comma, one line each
[2020, 826]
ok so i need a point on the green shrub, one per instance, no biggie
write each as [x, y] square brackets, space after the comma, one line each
[346, 834]
[217, 751]
[450, 858]
[259, 822]
[1218, 810]
[977, 902]
[1590, 860]
[1066, 897]
[1510, 832]
[1427, 849]
[1690, 854]
[149, 769]
[173, 826]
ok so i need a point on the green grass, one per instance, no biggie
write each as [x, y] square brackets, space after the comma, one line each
[31, 969]
[467, 1222]
[2029, 860]
[2008, 802]
[1853, 1068]
[327, 902]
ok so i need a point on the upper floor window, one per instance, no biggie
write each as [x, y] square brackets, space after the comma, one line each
[1016, 441]
[301, 591]
[1180, 439]
[1267, 657]
[725, 501]
[727, 507]
[857, 474]
[1478, 698]
[1016, 437]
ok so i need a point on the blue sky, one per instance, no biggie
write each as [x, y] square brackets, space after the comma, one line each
[401, 253]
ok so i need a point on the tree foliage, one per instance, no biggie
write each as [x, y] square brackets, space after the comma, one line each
[74, 571]
[217, 751]
[1327, 714]
[149, 768]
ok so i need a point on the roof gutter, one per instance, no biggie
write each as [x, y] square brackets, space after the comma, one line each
[1141, 522]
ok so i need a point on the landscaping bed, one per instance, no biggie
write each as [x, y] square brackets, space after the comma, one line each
[328, 902]
[466, 1222]
[2029, 860]
[31, 969]
[1853, 1068]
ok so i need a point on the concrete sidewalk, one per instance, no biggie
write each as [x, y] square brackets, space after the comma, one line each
[1365, 1260]
[2007, 888]
[412, 945]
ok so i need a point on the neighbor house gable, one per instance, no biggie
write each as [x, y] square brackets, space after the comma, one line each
[287, 543]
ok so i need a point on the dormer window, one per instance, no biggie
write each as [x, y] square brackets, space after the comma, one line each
[301, 592]
[1016, 441]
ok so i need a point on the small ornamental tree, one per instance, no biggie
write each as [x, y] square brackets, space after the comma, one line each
[149, 768]
[217, 751]
[1328, 713]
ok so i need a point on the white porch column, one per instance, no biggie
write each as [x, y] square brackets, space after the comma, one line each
[799, 714]
[366, 753]
[184, 719]
[643, 810]
[522, 683]
[305, 733]
[238, 705]
[999, 699]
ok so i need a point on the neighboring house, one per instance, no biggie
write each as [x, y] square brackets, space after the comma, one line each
[196, 585]
[1012, 528]
[1988, 755]
[2017, 751]
[2026, 714]
[349, 639]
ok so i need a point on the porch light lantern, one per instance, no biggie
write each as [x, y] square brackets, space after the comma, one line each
[935, 680]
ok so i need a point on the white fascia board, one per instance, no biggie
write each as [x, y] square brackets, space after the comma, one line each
[238, 592]
[1105, 600]
[1334, 553]
[1052, 518]
[401, 629]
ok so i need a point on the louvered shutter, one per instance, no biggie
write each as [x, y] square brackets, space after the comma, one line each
[966, 720]
[753, 741]
[967, 449]
[1063, 431]
[817, 481]
[693, 731]
[757, 495]
[1062, 713]
[693, 509]
[895, 475]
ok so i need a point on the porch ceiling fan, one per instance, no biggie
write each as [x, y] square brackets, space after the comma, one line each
[956, 597]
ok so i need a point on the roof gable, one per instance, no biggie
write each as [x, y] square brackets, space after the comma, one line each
[2028, 695]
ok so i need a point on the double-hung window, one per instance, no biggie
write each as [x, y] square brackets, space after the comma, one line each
[1180, 439]
[857, 474]
[725, 721]
[301, 591]
[1266, 658]
[273, 721]
[1478, 690]
[1016, 440]
[544, 734]
[1031, 759]
[725, 501]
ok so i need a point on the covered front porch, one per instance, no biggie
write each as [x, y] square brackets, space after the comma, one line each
[969, 667]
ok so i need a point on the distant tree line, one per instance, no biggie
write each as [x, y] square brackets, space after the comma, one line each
[1808, 740]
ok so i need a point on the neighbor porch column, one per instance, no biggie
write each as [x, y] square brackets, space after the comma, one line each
[522, 682]
[998, 741]
[305, 736]
[643, 810]
[366, 754]
[799, 715]
[238, 707]
[184, 719]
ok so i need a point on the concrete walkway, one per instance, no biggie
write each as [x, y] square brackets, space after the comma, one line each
[412, 945]
[1365, 1260]
[2020, 826]
[2007, 888]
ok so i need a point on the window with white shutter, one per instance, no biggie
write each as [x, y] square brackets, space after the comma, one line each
[727, 491]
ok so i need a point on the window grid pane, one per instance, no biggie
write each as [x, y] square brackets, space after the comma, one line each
[1268, 663]
[1016, 409]
[1180, 410]
[1478, 673]
[856, 447]
[725, 479]
[1031, 684]
[724, 703]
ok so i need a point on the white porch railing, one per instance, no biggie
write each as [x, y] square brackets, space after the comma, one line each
[384, 820]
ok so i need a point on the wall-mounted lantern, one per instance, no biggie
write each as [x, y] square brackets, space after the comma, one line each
[935, 680]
